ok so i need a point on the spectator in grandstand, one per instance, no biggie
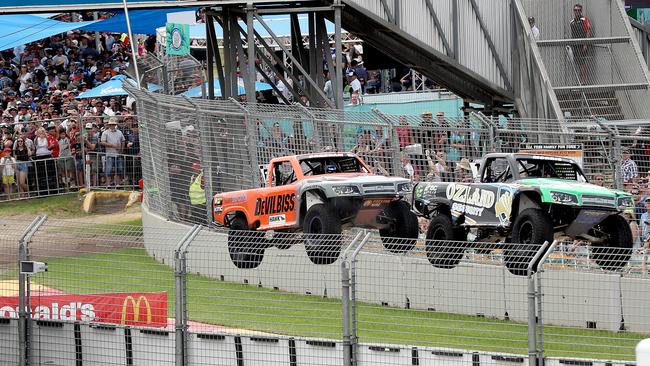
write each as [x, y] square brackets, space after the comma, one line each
[598, 180]
[634, 227]
[409, 170]
[22, 153]
[65, 163]
[327, 89]
[404, 133]
[355, 84]
[354, 100]
[464, 171]
[457, 142]
[361, 72]
[438, 171]
[629, 169]
[582, 53]
[373, 85]
[91, 144]
[533, 27]
[644, 226]
[8, 164]
[112, 140]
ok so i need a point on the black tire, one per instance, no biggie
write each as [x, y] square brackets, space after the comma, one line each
[246, 247]
[445, 244]
[530, 230]
[616, 252]
[322, 229]
[402, 233]
[284, 240]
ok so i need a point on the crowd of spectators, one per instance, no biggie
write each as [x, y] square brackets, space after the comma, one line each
[45, 127]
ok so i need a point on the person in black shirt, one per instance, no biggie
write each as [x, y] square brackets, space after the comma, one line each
[582, 53]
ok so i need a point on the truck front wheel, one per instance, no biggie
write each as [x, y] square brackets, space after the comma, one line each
[530, 230]
[445, 244]
[617, 249]
[245, 246]
[400, 236]
[322, 232]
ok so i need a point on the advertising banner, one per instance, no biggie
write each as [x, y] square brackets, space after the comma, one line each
[571, 151]
[127, 308]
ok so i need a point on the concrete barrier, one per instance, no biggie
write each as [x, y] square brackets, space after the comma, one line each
[9, 341]
[102, 344]
[53, 343]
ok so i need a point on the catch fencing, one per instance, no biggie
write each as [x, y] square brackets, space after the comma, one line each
[224, 145]
[168, 293]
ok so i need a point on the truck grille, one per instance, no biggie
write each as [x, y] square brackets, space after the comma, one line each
[598, 201]
[375, 188]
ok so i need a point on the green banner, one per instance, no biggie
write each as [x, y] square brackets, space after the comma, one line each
[178, 39]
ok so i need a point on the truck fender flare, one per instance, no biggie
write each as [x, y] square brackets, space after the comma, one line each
[238, 211]
[525, 200]
[440, 205]
[307, 199]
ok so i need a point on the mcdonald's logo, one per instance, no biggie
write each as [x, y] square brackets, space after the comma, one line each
[136, 308]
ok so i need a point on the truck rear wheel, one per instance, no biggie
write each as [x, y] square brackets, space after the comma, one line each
[445, 244]
[530, 230]
[617, 249]
[402, 232]
[245, 246]
[322, 231]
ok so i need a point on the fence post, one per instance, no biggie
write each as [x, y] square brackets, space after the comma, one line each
[345, 302]
[24, 314]
[532, 313]
[353, 297]
[540, 294]
[317, 131]
[180, 279]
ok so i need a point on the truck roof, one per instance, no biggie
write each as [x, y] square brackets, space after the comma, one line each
[518, 156]
[317, 155]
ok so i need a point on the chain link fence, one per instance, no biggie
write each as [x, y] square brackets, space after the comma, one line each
[168, 293]
[225, 145]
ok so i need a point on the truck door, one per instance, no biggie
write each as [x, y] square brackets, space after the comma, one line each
[277, 207]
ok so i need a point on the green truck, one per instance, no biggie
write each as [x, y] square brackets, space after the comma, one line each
[519, 202]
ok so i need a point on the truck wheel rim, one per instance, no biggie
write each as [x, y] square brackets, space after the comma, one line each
[526, 233]
[316, 226]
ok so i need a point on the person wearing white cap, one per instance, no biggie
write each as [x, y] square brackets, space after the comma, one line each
[113, 141]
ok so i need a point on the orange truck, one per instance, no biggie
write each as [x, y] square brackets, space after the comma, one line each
[318, 195]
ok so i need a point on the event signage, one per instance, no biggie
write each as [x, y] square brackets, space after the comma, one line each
[571, 151]
[129, 308]
[178, 39]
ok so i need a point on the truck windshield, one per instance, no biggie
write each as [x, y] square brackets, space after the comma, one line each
[329, 165]
[534, 168]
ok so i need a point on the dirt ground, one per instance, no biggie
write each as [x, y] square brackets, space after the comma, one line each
[95, 233]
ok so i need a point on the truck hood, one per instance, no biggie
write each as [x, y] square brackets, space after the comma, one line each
[587, 194]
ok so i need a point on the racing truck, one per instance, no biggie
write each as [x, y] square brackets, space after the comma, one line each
[318, 195]
[519, 202]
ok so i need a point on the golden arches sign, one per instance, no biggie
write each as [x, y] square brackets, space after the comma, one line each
[136, 308]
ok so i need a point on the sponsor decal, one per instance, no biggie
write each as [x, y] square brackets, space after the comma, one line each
[139, 309]
[470, 196]
[237, 198]
[503, 205]
[376, 202]
[471, 201]
[277, 220]
[275, 204]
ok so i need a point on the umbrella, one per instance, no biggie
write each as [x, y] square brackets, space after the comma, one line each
[197, 93]
[113, 87]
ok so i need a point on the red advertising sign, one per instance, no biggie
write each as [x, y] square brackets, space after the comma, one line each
[128, 308]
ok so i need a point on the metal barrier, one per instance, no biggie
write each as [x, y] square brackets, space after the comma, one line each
[167, 293]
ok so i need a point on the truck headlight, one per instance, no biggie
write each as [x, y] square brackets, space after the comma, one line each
[346, 190]
[218, 201]
[404, 187]
[564, 198]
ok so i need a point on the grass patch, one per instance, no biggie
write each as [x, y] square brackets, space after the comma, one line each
[254, 308]
[63, 206]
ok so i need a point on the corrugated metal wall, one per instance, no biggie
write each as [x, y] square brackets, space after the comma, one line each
[474, 53]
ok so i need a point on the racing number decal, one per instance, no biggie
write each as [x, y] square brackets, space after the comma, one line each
[275, 204]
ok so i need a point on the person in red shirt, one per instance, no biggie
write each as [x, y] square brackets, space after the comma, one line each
[53, 140]
[582, 53]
